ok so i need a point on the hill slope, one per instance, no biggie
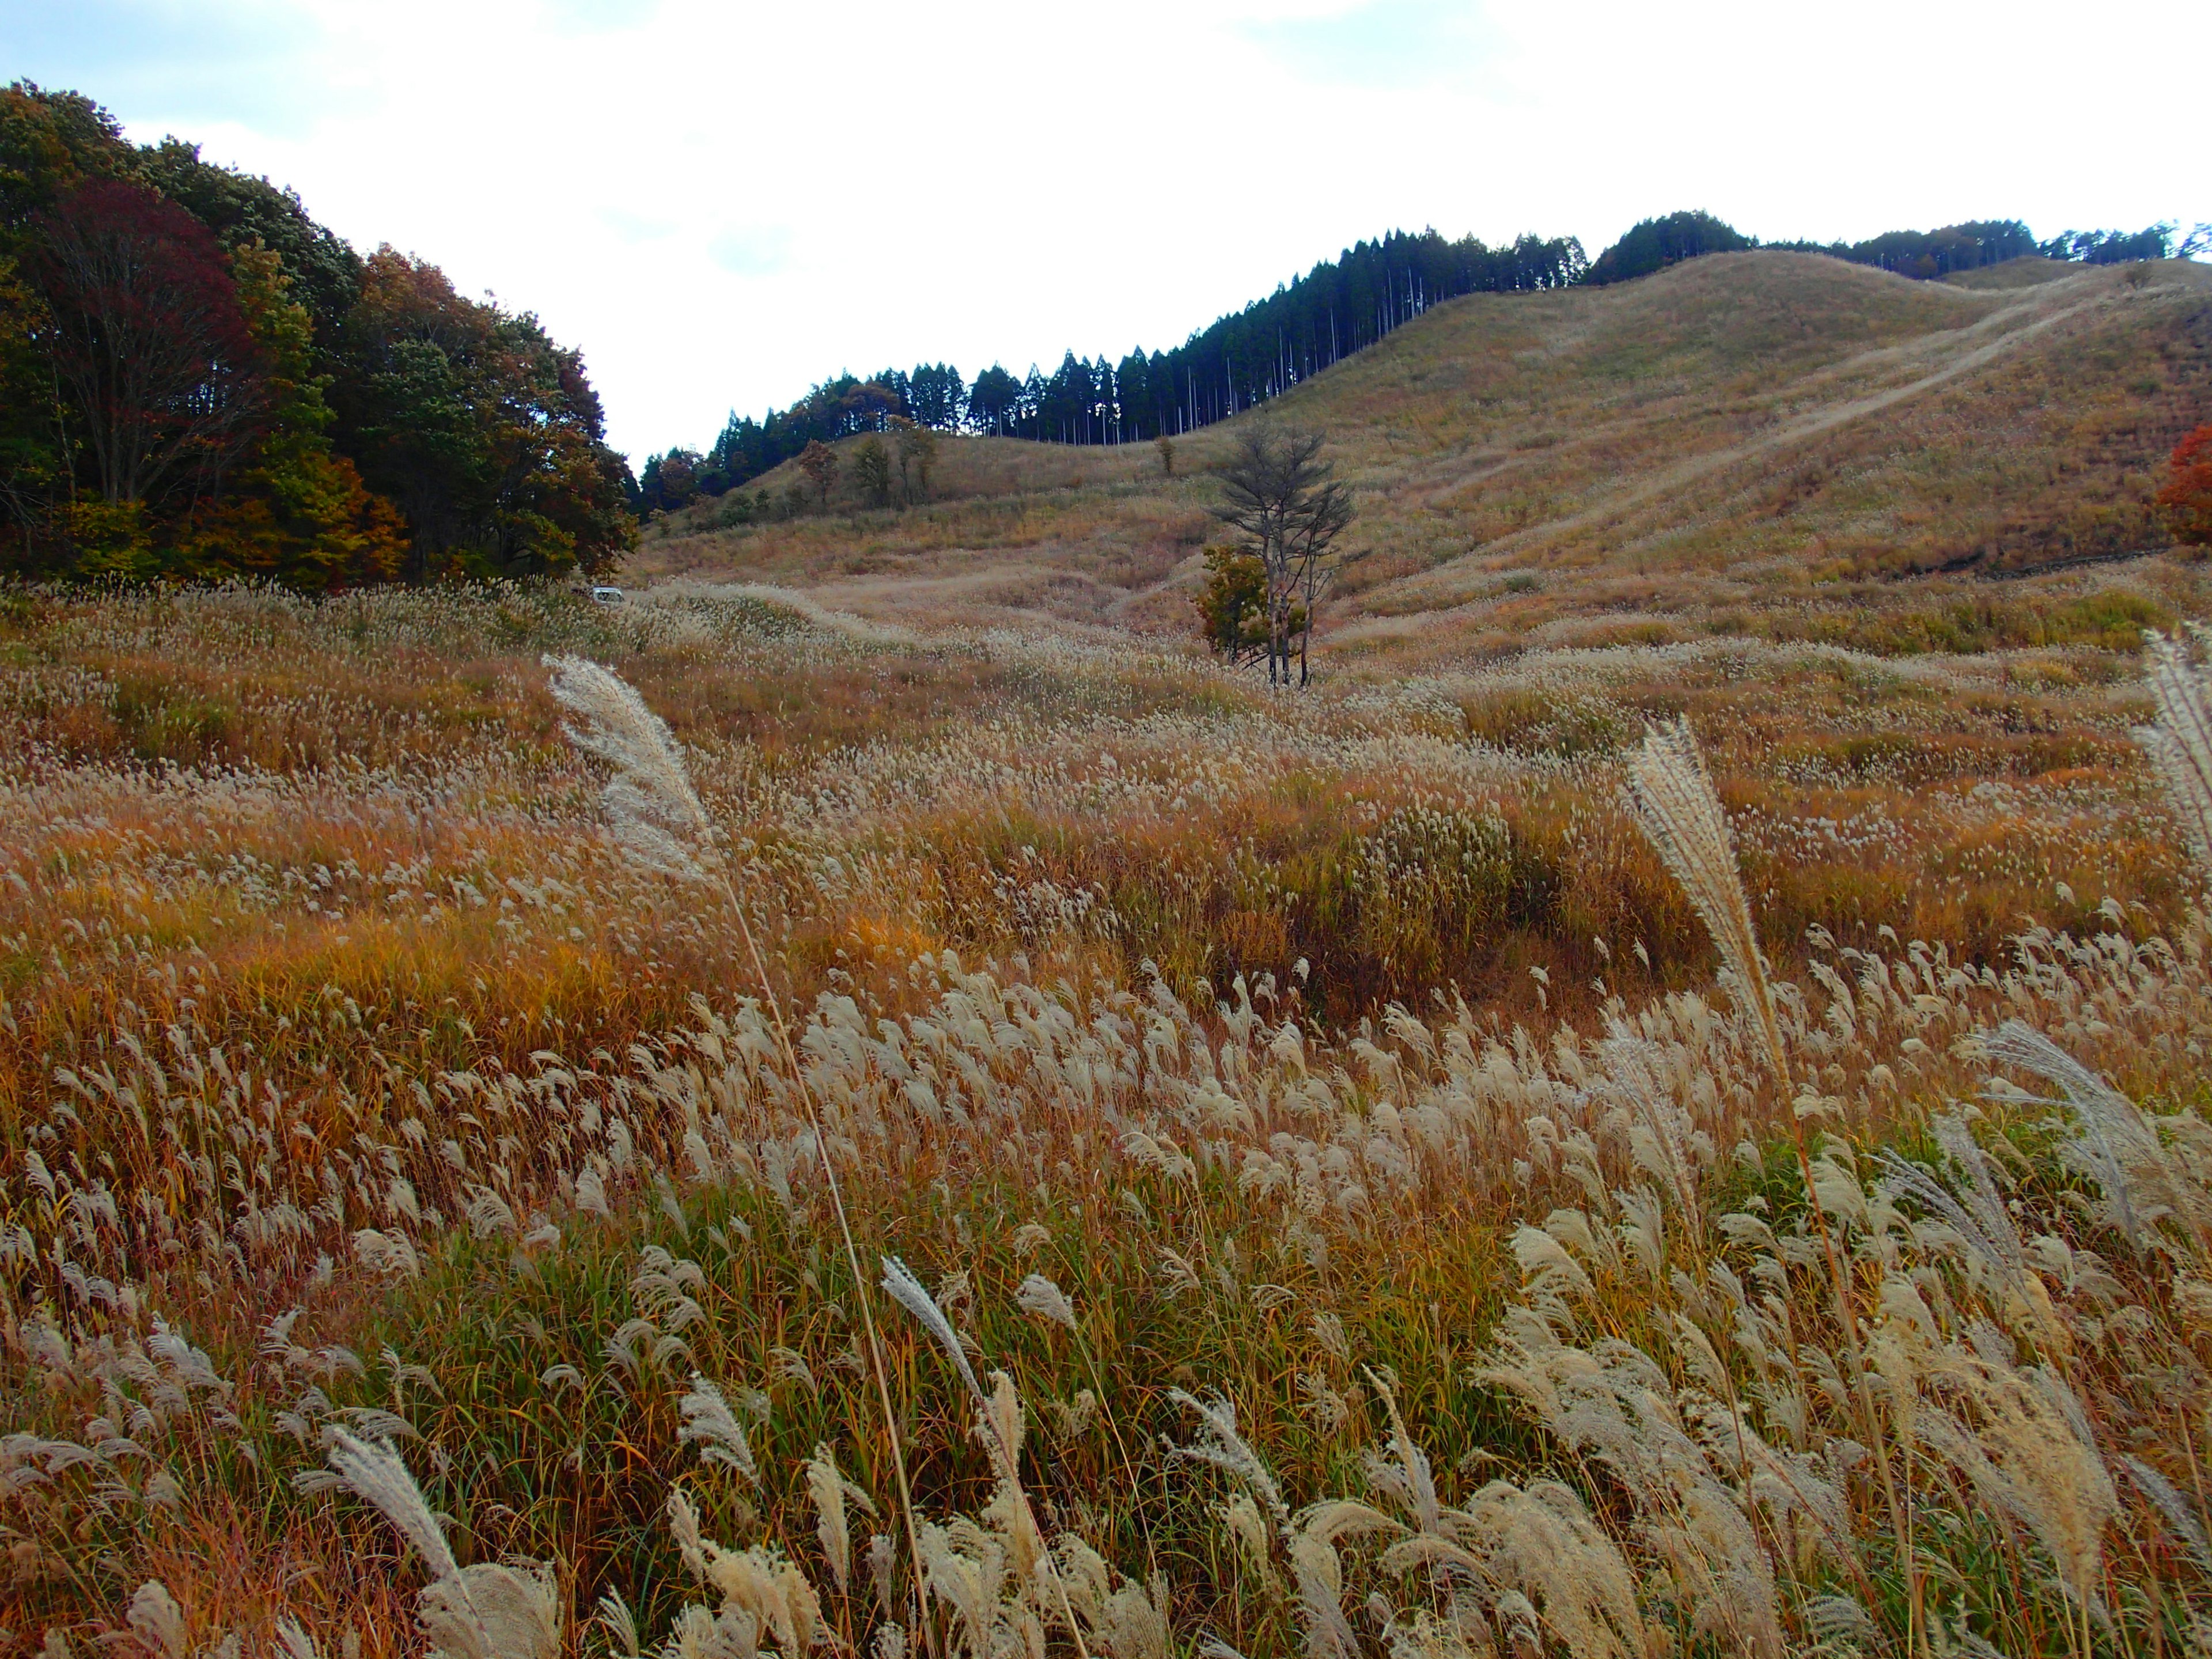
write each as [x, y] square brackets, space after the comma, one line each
[1773, 441]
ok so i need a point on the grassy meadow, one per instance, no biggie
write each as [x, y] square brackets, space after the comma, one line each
[1352, 1205]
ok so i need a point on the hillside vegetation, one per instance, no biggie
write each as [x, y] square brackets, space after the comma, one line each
[1770, 443]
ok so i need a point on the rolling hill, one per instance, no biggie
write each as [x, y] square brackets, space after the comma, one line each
[1763, 442]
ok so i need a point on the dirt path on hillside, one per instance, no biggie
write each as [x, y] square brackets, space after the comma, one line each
[1936, 355]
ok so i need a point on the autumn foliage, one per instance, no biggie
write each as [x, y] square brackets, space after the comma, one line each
[198, 381]
[2187, 495]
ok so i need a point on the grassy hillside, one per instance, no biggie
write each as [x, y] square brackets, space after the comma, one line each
[1764, 442]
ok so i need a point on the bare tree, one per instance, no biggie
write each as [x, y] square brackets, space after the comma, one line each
[1287, 503]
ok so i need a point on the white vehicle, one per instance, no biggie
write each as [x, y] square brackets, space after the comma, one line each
[602, 594]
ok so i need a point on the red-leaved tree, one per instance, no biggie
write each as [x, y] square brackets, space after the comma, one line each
[2187, 496]
[148, 340]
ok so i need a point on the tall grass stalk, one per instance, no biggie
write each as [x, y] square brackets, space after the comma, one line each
[2180, 744]
[997, 1416]
[1039, 1296]
[657, 817]
[1671, 794]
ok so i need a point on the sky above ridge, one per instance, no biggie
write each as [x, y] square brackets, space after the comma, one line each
[724, 203]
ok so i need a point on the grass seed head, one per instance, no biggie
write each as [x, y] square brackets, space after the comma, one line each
[376, 1474]
[1040, 1296]
[652, 810]
[2180, 745]
[1671, 794]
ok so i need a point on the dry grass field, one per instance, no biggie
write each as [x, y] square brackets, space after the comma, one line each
[989, 1134]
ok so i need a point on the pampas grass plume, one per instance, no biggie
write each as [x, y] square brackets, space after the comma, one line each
[653, 812]
[709, 1423]
[2180, 745]
[903, 1288]
[375, 1473]
[1040, 1296]
[160, 1622]
[1671, 796]
[827, 1488]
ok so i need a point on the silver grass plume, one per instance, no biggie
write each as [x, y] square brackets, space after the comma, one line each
[909, 1293]
[375, 1473]
[656, 817]
[1040, 1296]
[1671, 796]
[829, 1489]
[653, 812]
[1222, 1445]
[1000, 1415]
[2108, 1114]
[1976, 1214]
[621, 1623]
[1410, 1479]
[710, 1422]
[2187, 1526]
[2180, 745]
[492, 1610]
[160, 1622]
[2027, 1448]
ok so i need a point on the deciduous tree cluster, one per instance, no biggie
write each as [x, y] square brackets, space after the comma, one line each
[198, 380]
[1655, 244]
[2186, 495]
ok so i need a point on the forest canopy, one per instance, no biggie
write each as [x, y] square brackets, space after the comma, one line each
[198, 380]
[1655, 244]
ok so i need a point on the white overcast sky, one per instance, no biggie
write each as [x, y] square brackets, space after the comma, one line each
[724, 203]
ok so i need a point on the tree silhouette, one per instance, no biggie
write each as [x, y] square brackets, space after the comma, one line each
[917, 453]
[1286, 502]
[872, 470]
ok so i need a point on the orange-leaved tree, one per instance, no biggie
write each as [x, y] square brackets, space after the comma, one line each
[2187, 495]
